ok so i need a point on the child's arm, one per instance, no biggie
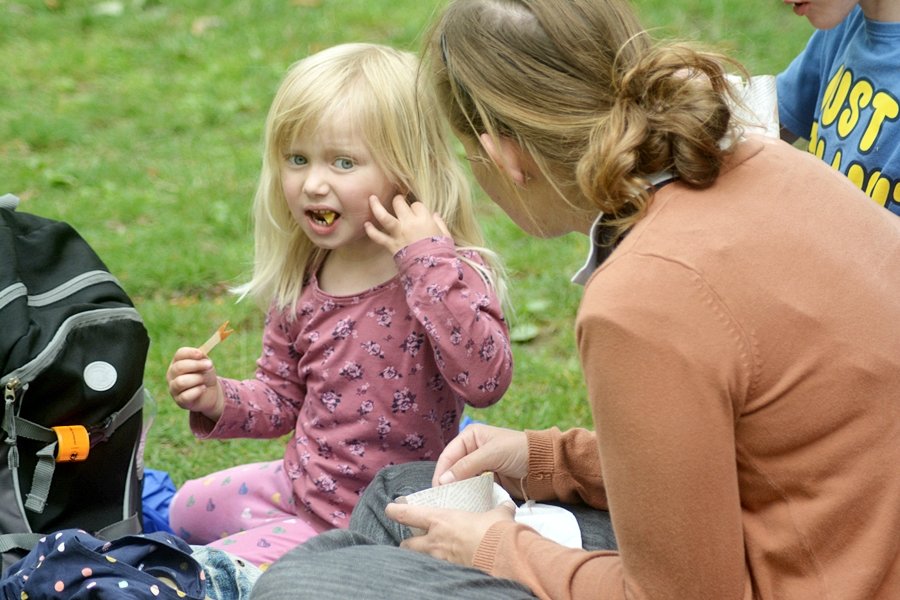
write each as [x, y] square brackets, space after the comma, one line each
[267, 404]
[459, 311]
[264, 406]
[461, 315]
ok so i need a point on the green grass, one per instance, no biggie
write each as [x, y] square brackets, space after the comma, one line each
[140, 123]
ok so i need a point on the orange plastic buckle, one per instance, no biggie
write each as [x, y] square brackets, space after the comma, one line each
[74, 443]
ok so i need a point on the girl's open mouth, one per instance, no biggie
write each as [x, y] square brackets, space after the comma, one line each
[324, 218]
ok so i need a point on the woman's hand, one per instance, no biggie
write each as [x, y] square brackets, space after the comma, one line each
[480, 448]
[193, 383]
[451, 535]
[413, 222]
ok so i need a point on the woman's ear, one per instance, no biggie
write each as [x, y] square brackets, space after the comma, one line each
[509, 155]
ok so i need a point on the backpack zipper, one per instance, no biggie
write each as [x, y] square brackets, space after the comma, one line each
[26, 372]
[63, 290]
[16, 290]
[66, 289]
[9, 394]
[10, 387]
[29, 370]
[9, 418]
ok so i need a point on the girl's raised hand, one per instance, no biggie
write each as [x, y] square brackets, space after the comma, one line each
[409, 223]
[193, 383]
[479, 448]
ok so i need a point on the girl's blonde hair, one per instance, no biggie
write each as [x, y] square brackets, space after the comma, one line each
[379, 88]
[582, 88]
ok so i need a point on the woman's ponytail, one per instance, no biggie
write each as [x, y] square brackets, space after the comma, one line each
[670, 114]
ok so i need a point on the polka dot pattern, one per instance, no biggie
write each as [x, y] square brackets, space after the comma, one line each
[71, 561]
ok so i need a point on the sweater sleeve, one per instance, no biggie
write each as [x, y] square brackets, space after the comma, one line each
[267, 405]
[661, 393]
[462, 317]
[565, 466]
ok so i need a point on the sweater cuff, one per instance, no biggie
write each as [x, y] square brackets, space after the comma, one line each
[486, 552]
[539, 482]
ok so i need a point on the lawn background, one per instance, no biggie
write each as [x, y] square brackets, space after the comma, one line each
[140, 123]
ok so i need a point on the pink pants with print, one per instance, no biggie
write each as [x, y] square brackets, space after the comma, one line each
[246, 510]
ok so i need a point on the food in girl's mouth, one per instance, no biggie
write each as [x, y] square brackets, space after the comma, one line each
[326, 217]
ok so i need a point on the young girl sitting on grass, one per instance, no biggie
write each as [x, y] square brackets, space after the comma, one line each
[384, 311]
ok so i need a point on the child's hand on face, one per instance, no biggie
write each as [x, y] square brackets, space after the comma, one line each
[193, 383]
[413, 222]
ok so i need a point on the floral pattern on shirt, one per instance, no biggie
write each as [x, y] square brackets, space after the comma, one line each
[374, 379]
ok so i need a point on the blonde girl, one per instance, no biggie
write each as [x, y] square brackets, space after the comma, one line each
[377, 89]
[384, 308]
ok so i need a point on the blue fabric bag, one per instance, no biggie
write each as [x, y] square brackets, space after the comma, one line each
[156, 497]
[75, 565]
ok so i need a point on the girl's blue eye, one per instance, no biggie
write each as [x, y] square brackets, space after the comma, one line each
[296, 160]
[343, 163]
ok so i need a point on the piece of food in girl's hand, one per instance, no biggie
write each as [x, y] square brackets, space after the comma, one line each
[220, 334]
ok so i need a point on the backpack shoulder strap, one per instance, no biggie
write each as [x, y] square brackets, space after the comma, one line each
[18, 541]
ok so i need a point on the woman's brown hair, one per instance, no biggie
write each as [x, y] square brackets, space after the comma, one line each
[582, 87]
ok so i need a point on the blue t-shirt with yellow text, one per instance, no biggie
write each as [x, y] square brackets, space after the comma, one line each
[842, 93]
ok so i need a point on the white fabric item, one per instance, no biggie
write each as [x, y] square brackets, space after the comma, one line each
[552, 522]
[757, 109]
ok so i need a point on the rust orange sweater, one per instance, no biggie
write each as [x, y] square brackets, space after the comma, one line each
[741, 349]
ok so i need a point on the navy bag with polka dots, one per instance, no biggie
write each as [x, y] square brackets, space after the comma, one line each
[75, 565]
[72, 355]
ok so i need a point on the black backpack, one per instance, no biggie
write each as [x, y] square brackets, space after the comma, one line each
[72, 356]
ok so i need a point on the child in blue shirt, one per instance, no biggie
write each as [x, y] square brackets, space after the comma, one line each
[842, 93]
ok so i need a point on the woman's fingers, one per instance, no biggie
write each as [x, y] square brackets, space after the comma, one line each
[481, 448]
[452, 535]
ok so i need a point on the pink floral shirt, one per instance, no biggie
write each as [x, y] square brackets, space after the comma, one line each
[373, 379]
